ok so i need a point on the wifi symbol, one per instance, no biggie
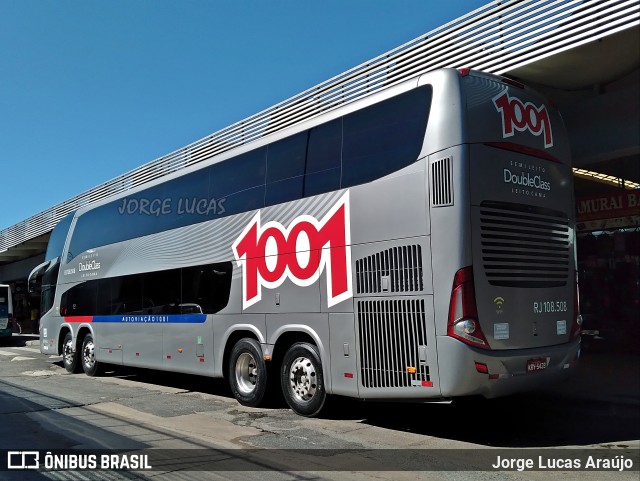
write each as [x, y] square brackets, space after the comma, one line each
[499, 302]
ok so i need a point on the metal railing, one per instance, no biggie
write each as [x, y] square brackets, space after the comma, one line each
[496, 38]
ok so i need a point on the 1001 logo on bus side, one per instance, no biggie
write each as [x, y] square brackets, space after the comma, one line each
[270, 253]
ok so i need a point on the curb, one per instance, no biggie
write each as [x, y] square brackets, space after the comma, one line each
[33, 343]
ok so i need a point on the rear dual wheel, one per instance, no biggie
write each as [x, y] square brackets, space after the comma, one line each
[83, 359]
[70, 355]
[90, 366]
[301, 376]
[302, 379]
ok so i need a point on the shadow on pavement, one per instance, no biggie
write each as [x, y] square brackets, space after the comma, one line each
[18, 340]
[599, 404]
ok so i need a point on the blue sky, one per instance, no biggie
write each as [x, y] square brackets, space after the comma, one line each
[91, 89]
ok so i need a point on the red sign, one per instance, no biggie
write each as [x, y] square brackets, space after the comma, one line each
[520, 116]
[619, 204]
[271, 253]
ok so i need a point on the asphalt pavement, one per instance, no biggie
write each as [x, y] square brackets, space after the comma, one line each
[44, 407]
[608, 371]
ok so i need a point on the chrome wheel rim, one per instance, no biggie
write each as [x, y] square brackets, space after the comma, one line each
[246, 373]
[67, 352]
[89, 355]
[303, 379]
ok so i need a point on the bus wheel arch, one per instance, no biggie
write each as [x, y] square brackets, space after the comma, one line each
[61, 336]
[229, 344]
[286, 340]
[82, 332]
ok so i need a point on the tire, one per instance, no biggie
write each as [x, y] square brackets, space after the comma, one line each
[70, 355]
[248, 372]
[90, 366]
[302, 379]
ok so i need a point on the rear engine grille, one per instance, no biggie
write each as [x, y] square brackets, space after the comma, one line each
[400, 266]
[392, 339]
[524, 246]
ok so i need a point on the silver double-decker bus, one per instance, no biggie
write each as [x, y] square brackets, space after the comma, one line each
[416, 245]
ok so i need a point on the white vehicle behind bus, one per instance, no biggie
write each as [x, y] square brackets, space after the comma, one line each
[6, 311]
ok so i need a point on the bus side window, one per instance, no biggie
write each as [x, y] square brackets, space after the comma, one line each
[385, 137]
[286, 158]
[207, 287]
[126, 295]
[48, 292]
[58, 237]
[161, 292]
[244, 201]
[80, 300]
[238, 184]
[285, 169]
[324, 159]
[238, 173]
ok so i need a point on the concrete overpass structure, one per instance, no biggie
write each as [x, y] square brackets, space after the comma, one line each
[584, 54]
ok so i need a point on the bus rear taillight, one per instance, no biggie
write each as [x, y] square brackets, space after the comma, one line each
[463, 314]
[576, 326]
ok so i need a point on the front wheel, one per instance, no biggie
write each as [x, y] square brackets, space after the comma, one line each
[247, 372]
[90, 366]
[302, 379]
[70, 355]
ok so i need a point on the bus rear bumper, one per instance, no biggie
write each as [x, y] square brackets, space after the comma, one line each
[507, 372]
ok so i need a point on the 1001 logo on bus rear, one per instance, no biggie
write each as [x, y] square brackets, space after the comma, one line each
[270, 253]
[521, 116]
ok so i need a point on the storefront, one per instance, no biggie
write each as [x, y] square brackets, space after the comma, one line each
[608, 245]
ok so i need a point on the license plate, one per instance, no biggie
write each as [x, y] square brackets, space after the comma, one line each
[539, 364]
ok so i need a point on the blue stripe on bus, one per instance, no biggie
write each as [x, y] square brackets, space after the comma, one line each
[154, 319]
